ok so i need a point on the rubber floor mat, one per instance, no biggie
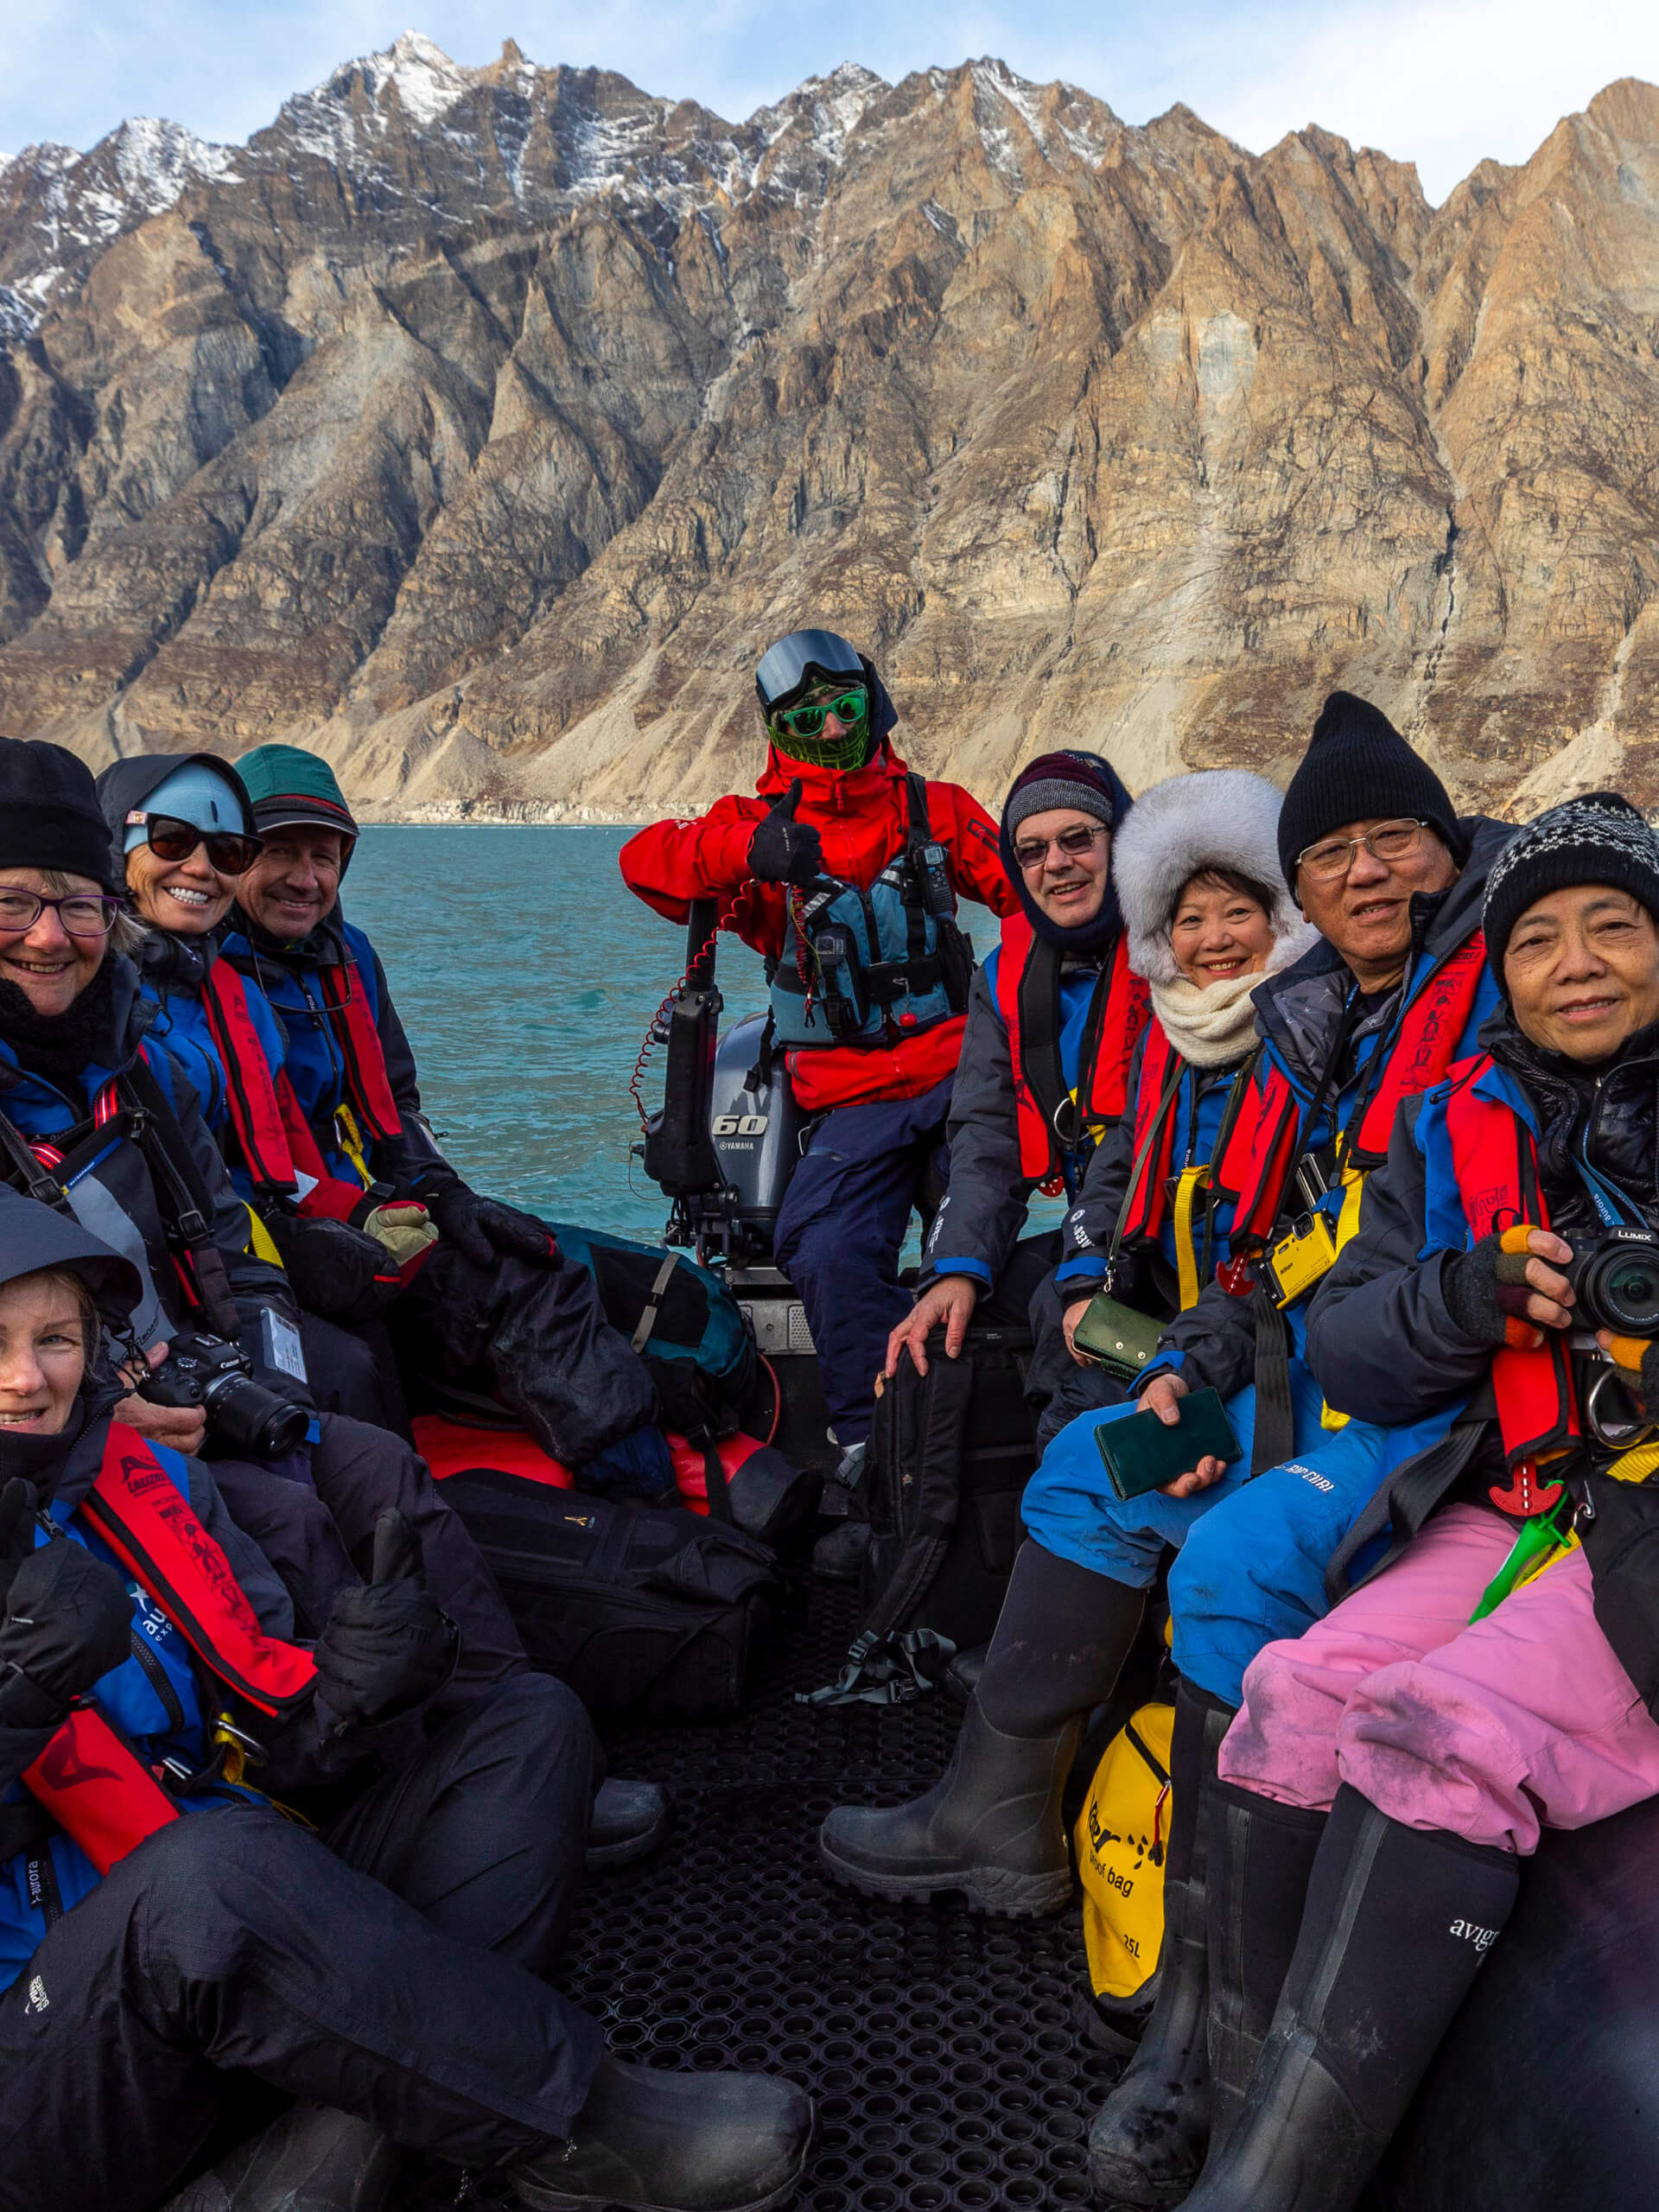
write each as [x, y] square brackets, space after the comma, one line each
[939, 2045]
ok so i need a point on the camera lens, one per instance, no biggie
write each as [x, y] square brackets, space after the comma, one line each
[1630, 1294]
[253, 1419]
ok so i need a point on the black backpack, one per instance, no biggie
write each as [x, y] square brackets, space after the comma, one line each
[950, 1455]
[656, 1612]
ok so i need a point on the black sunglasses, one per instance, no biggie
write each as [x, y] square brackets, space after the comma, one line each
[228, 852]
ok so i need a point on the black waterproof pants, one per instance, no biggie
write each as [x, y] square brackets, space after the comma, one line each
[390, 1968]
[355, 1371]
[540, 1337]
[319, 1535]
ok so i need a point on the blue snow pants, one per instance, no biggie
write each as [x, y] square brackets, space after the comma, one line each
[1253, 1551]
[839, 1232]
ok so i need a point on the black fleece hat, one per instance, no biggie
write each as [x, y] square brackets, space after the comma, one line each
[49, 813]
[1600, 838]
[1358, 768]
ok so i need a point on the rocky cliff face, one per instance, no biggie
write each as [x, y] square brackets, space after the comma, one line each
[479, 428]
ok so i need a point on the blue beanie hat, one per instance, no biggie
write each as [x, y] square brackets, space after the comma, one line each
[195, 793]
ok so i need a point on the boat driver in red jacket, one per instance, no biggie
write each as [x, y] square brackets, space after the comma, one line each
[844, 873]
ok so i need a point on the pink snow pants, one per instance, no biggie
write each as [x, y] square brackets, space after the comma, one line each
[1525, 1721]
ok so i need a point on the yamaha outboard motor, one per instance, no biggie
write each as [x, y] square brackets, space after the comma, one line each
[727, 1138]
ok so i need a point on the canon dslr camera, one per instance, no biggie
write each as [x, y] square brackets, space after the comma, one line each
[206, 1371]
[1615, 1281]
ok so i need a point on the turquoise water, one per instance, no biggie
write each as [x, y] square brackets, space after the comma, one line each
[526, 974]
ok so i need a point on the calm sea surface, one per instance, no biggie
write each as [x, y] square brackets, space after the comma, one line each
[526, 974]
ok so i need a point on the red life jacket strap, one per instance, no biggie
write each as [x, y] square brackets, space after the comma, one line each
[249, 1092]
[1145, 1213]
[1128, 1009]
[359, 1045]
[1255, 1162]
[152, 1529]
[1494, 1160]
[97, 1788]
[1421, 1052]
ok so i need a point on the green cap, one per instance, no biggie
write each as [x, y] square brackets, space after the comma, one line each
[288, 783]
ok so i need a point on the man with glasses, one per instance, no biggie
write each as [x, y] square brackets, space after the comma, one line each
[844, 872]
[483, 1291]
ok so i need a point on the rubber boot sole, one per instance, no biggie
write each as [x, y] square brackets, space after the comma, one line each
[993, 1890]
[600, 1857]
[545, 2199]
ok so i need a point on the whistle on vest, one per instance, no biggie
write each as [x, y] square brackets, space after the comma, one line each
[1525, 1492]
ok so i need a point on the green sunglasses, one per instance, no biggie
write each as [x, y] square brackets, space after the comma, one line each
[850, 707]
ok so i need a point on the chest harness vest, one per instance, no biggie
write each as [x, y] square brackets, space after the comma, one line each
[90, 1778]
[1155, 1192]
[863, 967]
[1255, 1166]
[367, 1113]
[1053, 1118]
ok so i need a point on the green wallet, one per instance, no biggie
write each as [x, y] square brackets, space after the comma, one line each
[1117, 1337]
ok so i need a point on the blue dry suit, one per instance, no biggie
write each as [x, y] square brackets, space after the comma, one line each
[1254, 1550]
[155, 1701]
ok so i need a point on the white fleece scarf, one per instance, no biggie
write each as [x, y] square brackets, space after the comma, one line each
[1210, 1024]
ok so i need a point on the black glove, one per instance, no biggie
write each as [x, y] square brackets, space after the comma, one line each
[387, 1647]
[68, 1621]
[783, 850]
[1485, 1288]
[481, 1228]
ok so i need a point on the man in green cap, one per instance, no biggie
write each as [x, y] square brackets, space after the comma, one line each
[491, 1292]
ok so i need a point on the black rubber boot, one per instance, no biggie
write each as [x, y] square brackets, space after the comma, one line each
[1147, 2142]
[991, 1825]
[312, 2159]
[1260, 1861]
[661, 2142]
[1397, 1924]
[628, 1821]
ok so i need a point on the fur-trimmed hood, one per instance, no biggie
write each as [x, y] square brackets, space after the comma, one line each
[1212, 818]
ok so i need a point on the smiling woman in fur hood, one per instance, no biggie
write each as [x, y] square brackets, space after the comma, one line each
[1208, 914]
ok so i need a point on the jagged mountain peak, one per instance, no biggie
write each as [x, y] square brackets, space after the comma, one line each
[478, 426]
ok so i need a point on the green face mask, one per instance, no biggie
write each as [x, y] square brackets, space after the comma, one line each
[799, 731]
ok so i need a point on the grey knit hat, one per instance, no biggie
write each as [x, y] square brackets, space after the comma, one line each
[1600, 838]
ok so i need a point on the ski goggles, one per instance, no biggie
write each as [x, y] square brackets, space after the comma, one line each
[170, 839]
[850, 708]
[787, 668]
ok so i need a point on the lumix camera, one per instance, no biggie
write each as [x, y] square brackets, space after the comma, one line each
[1616, 1282]
[206, 1371]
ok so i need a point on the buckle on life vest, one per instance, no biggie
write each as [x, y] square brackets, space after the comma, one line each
[1236, 1277]
[1524, 1492]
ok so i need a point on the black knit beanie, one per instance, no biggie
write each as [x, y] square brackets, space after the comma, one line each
[1358, 768]
[1598, 839]
[49, 814]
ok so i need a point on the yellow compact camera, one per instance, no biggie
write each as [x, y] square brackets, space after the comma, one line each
[1297, 1261]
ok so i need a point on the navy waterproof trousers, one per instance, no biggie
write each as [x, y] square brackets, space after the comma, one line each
[391, 1967]
[841, 1229]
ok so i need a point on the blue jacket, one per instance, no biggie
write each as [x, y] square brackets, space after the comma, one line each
[409, 1164]
[171, 970]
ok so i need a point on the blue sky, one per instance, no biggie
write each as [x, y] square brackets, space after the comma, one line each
[1441, 82]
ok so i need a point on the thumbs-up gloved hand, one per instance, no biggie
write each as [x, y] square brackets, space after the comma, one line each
[67, 1621]
[782, 849]
[387, 1647]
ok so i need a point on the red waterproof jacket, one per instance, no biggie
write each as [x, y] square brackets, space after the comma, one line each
[860, 815]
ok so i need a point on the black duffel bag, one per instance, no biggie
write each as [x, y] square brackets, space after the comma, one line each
[658, 1613]
[949, 1454]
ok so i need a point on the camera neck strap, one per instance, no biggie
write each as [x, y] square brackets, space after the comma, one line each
[1616, 1210]
[187, 1204]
